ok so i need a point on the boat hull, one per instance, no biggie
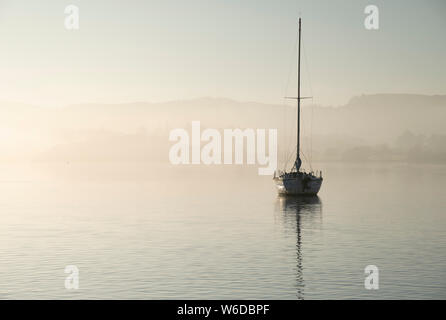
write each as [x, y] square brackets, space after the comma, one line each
[299, 185]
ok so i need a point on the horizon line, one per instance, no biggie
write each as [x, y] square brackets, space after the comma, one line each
[57, 105]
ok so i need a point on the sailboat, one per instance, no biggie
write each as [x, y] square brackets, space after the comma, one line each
[297, 181]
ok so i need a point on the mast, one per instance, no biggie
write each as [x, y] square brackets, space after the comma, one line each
[298, 161]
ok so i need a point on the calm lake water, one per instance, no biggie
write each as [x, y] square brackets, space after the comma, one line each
[138, 231]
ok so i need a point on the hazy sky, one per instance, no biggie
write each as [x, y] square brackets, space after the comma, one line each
[166, 50]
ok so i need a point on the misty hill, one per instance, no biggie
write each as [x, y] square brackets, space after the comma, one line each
[366, 128]
[381, 117]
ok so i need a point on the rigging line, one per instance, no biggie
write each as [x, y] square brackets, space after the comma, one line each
[292, 63]
[306, 159]
[312, 102]
[291, 141]
[289, 156]
[288, 140]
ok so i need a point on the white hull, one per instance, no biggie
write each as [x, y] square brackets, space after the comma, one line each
[298, 184]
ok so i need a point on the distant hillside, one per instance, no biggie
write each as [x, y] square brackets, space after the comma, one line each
[364, 129]
[381, 117]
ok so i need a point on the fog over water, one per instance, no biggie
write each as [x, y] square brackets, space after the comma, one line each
[91, 186]
[143, 231]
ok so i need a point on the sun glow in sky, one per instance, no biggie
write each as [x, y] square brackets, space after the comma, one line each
[167, 50]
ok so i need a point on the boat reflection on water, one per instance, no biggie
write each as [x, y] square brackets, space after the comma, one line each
[300, 213]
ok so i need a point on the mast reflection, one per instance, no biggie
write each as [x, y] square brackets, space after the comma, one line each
[299, 213]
